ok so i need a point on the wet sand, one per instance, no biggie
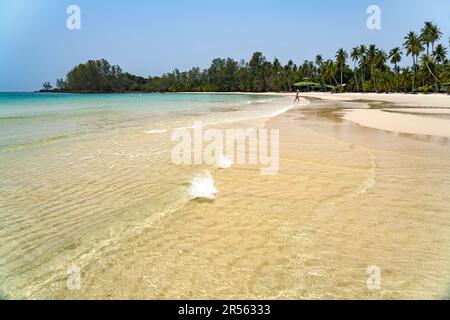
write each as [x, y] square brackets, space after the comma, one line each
[346, 198]
[401, 122]
[409, 100]
[402, 113]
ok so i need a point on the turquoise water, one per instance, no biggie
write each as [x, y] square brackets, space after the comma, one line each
[81, 173]
[36, 117]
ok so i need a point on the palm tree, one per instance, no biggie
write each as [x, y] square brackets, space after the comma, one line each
[330, 69]
[425, 34]
[290, 69]
[435, 35]
[384, 82]
[355, 57]
[405, 77]
[341, 59]
[395, 56]
[371, 54]
[430, 34]
[362, 63]
[319, 60]
[414, 47]
[428, 62]
[440, 53]
[379, 60]
[276, 74]
[47, 86]
[319, 63]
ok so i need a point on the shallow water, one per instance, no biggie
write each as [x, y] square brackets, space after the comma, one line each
[78, 172]
[346, 198]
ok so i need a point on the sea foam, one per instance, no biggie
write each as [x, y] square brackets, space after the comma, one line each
[223, 162]
[156, 131]
[260, 101]
[202, 187]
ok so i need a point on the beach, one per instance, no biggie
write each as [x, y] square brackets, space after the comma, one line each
[408, 118]
[349, 195]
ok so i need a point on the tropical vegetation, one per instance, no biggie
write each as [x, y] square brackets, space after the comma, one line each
[364, 68]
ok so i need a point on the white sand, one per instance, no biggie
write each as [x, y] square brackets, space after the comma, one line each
[421, 110]
[398, 122]
[409, 100]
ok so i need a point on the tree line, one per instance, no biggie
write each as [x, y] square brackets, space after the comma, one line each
[362, 69]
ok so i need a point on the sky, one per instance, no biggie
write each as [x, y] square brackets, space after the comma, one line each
[152, 37]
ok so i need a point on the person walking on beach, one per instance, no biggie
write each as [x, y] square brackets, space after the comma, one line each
[297, 98]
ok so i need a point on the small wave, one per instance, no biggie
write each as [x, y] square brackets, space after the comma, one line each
[277, 113]
[156, 131]
[260, 101]
[202, 187]
[260, 115]
[223, 162]
[224, 110]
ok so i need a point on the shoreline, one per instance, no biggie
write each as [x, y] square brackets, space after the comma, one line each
[168, 93]
[332, 96]
[417, 123]
[402, 99]
[386, 159]
[379, 112]
[278, 237]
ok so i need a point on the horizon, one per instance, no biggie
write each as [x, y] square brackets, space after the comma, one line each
[145, 39]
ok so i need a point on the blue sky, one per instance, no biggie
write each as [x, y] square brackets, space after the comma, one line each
[152, 37]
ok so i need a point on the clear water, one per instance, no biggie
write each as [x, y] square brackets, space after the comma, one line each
[87, 181]
[35, 117]
[81, 172]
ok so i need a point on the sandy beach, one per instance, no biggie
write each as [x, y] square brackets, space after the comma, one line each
[410, 100]
[174, 151]
[348, 196]
[402, 113]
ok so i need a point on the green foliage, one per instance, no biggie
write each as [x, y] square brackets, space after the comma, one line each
[223, 75]
[374, 70]
[426, 89]
[46, 86]
[99, 76]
